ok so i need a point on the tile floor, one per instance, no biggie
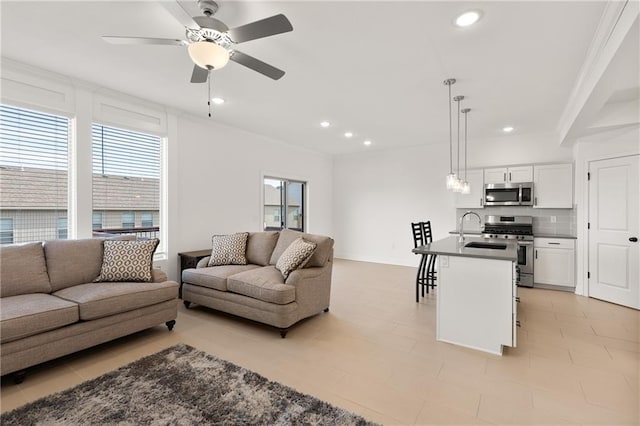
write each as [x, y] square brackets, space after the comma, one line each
[374, 353]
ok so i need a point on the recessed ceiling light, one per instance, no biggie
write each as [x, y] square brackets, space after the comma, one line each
[366, 143]
[468, 18]
[348, 134]
[217, 101]
[507, 129]
[325, 124]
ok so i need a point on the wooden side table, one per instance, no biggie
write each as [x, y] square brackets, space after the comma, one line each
[189, 259]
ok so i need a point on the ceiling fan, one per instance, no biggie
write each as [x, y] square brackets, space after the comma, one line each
[211, 43]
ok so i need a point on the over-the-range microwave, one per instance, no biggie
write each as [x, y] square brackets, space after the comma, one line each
[508, 194]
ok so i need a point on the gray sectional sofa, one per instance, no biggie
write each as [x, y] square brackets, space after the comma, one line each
[257, 290]
[49, 306]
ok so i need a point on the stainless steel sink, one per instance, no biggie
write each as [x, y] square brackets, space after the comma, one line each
[481, 245]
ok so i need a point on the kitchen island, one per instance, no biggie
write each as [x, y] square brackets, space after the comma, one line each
[476, 296]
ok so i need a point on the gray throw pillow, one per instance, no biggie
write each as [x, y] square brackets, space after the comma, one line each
[229, 249]
[127, 260]
[295, 256]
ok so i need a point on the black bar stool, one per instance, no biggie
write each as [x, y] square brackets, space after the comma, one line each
[426, 275]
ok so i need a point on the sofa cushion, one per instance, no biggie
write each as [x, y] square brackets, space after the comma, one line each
[73, 262]
[128, 261]
[29, 314]
[266, 284]
[295, 256]
[320, 256]
[229, 249]
[214, 277]
[23, 270]
[260, 246]
[97, 300]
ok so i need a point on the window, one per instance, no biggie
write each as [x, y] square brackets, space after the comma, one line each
[33, 173]
[126, 179]
[283, 195]
[128, 220]
[146, 220]
[6, 231]
[97, 220]
[63, 228]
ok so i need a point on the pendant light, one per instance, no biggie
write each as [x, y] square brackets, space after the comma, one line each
[466, 188]
[457, 186]
[451, 177]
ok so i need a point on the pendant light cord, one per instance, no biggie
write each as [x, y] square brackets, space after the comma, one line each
[450, 132]
[465, 144]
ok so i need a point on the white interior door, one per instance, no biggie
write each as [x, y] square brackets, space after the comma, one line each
[614, 256]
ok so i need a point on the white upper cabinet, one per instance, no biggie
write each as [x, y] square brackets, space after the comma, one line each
[520, 174]
[553, 186]
[515, 174]
[473, 199]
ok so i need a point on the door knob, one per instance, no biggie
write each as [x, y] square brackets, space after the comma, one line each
[633, 239]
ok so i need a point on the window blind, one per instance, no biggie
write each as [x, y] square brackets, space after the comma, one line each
[33, 172]
[126, 179]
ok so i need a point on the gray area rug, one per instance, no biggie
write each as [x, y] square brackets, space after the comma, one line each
[180, 386]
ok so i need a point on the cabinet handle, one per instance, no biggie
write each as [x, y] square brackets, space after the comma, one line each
[518, 299]
[633, 239]
[535, 201]
[480, 200]
[517, 323]
[509, 176]
[536, 253]
[554, 243]
[504, 178]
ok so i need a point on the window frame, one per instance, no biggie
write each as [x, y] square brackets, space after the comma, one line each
[284, 201]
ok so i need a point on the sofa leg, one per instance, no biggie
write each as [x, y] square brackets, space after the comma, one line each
[18, 376]
[326, 310]
[187, 304]
[170, 324]
[283, 332]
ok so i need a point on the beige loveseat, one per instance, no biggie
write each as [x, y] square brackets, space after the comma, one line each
[50, 307]
[257, 290]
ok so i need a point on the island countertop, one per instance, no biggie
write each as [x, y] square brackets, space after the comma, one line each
[449, 246]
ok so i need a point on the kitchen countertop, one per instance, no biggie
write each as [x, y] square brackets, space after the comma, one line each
[535, 235]
[567, 236]
[449, 246]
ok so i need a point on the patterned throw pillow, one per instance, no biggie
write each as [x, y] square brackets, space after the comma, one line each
[127, 260]
[229, 249]
[295, 256]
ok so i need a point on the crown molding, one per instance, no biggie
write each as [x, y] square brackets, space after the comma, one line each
[617, 20]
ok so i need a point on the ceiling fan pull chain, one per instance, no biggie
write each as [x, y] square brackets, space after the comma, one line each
[209, 98]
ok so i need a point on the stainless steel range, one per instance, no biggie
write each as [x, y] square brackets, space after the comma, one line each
[519, 228]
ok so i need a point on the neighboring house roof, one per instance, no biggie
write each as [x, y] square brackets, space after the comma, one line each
[49, 190]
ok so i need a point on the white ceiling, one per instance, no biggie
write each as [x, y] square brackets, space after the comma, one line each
[374, 68]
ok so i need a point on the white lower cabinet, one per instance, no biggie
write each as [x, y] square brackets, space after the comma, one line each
[554, 261]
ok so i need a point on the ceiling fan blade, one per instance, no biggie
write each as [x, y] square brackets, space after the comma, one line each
[199, 75]
[276, 24]
[144, 40]
[181, 14]
[257, 65]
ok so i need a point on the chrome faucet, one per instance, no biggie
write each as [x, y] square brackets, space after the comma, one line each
[461, 237]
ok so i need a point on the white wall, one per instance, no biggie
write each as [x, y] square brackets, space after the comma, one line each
[220, 171]
[377, 194]
[610, 144]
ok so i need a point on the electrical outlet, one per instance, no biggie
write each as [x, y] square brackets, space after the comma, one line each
[553, 219]
[444, 261]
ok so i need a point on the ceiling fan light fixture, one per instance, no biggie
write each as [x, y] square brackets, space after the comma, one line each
[207, 54]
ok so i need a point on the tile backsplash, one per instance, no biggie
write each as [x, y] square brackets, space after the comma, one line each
[545, 221]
